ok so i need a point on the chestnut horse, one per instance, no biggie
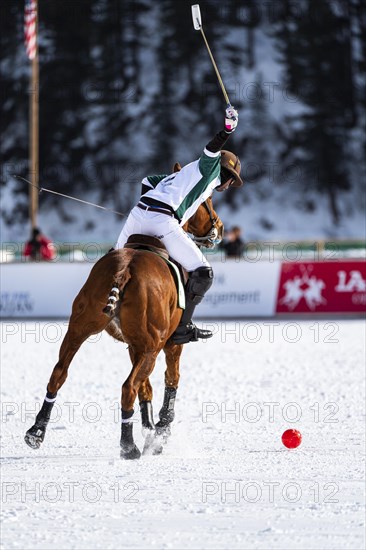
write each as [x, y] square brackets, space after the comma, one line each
[141, 293]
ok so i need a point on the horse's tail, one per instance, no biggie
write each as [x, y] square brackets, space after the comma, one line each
[120, 281]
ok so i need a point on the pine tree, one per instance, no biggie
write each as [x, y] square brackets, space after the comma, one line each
[14, 76]
[315, 46]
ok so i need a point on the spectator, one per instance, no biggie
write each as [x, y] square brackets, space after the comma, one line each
[39, 248]
[233, 245]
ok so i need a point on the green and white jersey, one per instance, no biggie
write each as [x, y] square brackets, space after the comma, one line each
[184, 191]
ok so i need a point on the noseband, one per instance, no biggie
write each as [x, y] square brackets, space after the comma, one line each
[212, 237]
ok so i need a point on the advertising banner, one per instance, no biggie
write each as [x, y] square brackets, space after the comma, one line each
[33, 290]
[242, 289]
[44, 289]
[322, 287]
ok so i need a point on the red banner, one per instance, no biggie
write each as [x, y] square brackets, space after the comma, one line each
[337, 287]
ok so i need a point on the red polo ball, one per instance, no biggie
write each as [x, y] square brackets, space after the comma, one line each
[291, 439]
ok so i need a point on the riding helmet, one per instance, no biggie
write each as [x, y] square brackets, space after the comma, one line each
[230, 163]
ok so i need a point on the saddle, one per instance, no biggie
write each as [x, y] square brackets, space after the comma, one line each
[146, 242]
[152, 244]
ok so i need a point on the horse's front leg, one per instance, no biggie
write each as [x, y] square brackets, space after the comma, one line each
[166, 413]
[137, 383]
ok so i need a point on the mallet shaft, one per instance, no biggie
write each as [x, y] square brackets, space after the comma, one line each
[216, 69]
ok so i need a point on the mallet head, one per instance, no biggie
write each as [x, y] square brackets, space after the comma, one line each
[196, 16]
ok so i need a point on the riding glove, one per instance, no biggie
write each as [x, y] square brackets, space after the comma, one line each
[231, 119]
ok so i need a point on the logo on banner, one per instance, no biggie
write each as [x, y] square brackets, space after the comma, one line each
[12, 303]
[306, 287]
[353, 283]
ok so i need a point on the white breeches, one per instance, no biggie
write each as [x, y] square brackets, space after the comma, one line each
[179, 246]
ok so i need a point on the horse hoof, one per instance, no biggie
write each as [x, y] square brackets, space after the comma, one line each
[153, 444]
[157, 450]
[130, 453]
[163, 431]
[34, 437]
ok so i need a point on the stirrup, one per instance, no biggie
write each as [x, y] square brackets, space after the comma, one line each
[190, 333]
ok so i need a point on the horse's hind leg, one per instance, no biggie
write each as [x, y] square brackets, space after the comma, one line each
[80, 328]
[153, 444]
[166, 413]
[136, 383]
[145, 399]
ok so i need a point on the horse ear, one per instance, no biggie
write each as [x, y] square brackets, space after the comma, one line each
[177, 167]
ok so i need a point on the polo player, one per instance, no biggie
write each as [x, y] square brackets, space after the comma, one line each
[168, 201]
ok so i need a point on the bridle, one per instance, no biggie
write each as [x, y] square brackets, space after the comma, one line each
[212, 237]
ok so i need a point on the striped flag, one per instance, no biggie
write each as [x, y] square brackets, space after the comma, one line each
[30, 20]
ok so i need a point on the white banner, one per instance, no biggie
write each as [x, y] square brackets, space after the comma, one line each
[43, 289]
[47, 289]
[242, 289]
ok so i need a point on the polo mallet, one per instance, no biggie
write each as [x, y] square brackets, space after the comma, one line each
[197, 23]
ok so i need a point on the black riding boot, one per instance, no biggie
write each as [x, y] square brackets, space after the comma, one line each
[198, 284]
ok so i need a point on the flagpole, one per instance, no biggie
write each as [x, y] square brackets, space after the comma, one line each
[34, 131]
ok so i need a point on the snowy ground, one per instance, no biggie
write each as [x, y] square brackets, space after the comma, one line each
[224, 480]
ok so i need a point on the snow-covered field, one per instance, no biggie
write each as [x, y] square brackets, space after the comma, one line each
[224, 479]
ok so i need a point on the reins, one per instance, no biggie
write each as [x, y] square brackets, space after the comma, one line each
[212, 235]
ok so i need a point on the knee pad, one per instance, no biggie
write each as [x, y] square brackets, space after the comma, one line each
[200, 280]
